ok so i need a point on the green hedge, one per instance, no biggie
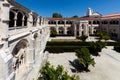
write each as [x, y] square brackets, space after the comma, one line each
[117, 48]
[70, 43]
[64, 35]
[79, 43]
[61, 49]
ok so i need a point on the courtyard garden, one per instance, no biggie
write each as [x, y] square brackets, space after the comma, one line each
[87, 59]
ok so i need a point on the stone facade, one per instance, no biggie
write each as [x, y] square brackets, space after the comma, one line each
[111, 25]
[74, 26]
[88, 25]
[23, 36]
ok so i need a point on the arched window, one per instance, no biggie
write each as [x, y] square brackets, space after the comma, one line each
[83, 26]
[19, 19]
[25, 21]
[58, 22]
[94, 22]
[34, 21]
[69, 32]
[49, 22]
[98, 22]
[54, 22]
[61, 30]
[68, 22]
[117, 22]
[89, 22]
[62, 22]
[111, 22]
[11, 18]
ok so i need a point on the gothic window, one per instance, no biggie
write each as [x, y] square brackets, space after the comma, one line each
[25, 21]
[11, 18]
[19, 19]
[34, 21]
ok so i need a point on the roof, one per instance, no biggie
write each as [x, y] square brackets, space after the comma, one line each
[72, 19]
[111, 16]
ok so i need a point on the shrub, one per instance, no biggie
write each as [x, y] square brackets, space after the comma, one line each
[84, 57]
[96, 47]
[117, 48]
[48, 72]
[53, 32]
[83, 38]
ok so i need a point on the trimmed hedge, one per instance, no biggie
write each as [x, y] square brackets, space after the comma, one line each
[64, 35]
[70, 43]
[79, 43]
[117, 48]
[61, 49]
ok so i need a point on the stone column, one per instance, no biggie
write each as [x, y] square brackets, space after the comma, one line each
[38, 43]
[80, 30]
[30, 21]
[38, 21]
[108, 27]
[23, 21]
[15, 19]
[85, 30]
[65, 30]
[57, 28]
[31, 55]
[64, 22]
[41, 20]
[75, 30]
[100, 26]
[56, 22]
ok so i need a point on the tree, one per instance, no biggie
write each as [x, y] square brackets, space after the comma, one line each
[53, 32]
[56, 15]
[103, 35]
[48, 72]
[75, 16]
[106, 37]
[85, 58]
[83, 38]
[96, 47]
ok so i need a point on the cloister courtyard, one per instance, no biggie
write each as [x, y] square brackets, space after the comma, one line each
[106, 67]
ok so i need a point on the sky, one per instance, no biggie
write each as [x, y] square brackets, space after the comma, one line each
[69, 8]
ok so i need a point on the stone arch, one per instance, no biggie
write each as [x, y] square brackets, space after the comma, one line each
[34, 20]
[69, 32]
[49, 22]
[19, 53]
[61, 30]
[83, 26]
[19, 18]
[68, 22]
[61, 22]
[11, 18]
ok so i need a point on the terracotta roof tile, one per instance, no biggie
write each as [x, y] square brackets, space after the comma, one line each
[109, 16]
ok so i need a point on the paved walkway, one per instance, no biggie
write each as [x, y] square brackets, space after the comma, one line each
[107, 66]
